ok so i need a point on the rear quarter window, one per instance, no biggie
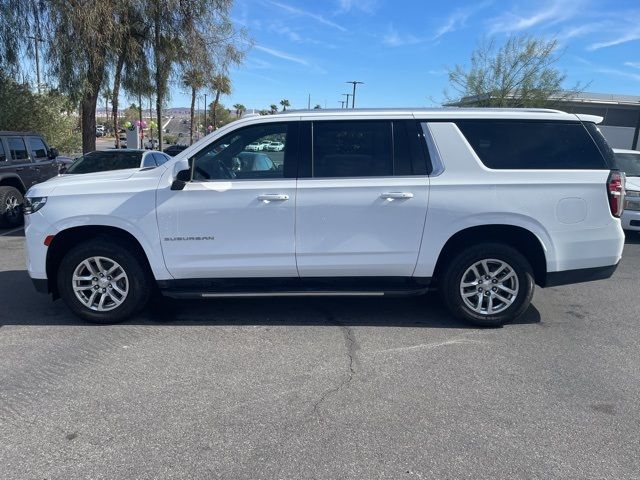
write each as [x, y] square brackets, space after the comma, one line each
[533, 145]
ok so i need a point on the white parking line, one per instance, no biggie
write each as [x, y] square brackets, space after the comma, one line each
[11, 231]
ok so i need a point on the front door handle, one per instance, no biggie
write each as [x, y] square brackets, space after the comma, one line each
[273, 197]
[396, 195]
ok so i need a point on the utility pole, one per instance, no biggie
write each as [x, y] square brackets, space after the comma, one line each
[205, 114]
[36, 38]
[309, 103]
[341, 103]
[353, 98]
[347, 95]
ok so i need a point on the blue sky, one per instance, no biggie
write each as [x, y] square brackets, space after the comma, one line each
[401, 48]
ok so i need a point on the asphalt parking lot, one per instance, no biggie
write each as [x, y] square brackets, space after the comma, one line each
[321, 388]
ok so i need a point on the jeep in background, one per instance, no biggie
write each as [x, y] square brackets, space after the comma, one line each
[25, 159]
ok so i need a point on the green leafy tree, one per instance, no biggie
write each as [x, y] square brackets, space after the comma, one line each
[222, 114]
[522, 72]
[240, 109]
[52, 114]
[285, 103]
[273, 108]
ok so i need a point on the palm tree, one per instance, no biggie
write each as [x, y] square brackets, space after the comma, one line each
[285, 103]
[221, 85]
[273, 108]
[195, 80]
[317, 107]
[239, 109]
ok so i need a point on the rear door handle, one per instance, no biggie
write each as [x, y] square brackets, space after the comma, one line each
[396, 195]
[273, 197]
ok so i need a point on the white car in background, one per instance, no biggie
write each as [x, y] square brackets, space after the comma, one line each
[629, 162]
[254, 147]
[274, 147]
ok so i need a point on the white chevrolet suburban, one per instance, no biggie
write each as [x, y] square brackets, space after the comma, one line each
[482, 204]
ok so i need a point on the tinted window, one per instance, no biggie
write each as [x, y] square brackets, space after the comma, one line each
[243, 154]
[160, 158]
[149, 160]
[603, 146]
[352, 149]
[38, 148]
[17, 148]
[105, 161]
[629, 163]
[3, 155]
[532, 145]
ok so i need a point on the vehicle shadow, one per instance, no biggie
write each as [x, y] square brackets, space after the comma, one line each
[23, 306]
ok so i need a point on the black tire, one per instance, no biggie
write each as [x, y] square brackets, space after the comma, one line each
[138, 277]
[450, 285]
[11, 216]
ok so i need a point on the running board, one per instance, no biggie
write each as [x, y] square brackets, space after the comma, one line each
[190, 294]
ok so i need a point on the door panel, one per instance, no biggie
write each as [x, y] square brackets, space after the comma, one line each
[21, 161]
[44, 167]
[344, 227]
[368, 219]
[236, 217]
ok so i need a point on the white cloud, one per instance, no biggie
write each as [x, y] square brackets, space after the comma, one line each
[282, 55]
[395, 39]
[304, 13]
[632, 64]
[553, 12]
[627, 37]
[459, 18]
[367, 6]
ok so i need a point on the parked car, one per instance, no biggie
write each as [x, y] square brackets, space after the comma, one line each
[64, 162]
[254, 147]
[25, 159]
[100, 131]
[123, 140]
[628, 161]
[477, 203]
[274, 147]
[107, 160]
[151, 143]
[173, 150]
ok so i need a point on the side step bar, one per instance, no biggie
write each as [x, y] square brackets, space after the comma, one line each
[193, 294]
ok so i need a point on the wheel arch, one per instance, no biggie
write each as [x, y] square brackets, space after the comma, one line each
[67, 239]
[13, 181]
[520, 238]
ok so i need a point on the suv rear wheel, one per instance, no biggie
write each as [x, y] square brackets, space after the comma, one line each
[103, 282]
[489, 284]
[11, 201]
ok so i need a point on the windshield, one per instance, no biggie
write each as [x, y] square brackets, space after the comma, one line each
[105, 161]
[629, 163]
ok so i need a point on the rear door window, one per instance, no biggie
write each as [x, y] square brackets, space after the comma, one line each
[18, 150]
[352, 149]
[530, 145]
[38, 149]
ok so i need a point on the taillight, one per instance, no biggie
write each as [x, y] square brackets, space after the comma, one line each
[615, 188]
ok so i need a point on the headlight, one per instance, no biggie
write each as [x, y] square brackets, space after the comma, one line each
[33, 204]
[632, 201]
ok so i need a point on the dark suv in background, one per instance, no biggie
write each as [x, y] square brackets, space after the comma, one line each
[25, 159]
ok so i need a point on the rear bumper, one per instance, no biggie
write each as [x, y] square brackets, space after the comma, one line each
[580, 275]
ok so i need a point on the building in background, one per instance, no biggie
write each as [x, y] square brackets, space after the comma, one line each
[621, 113]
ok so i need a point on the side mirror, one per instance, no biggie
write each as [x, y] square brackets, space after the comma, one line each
[53, 153]
[182, 178]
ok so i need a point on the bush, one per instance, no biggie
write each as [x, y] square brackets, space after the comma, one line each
[50, 114]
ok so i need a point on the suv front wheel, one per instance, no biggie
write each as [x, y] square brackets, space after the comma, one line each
[103, 282]
[488, 285]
